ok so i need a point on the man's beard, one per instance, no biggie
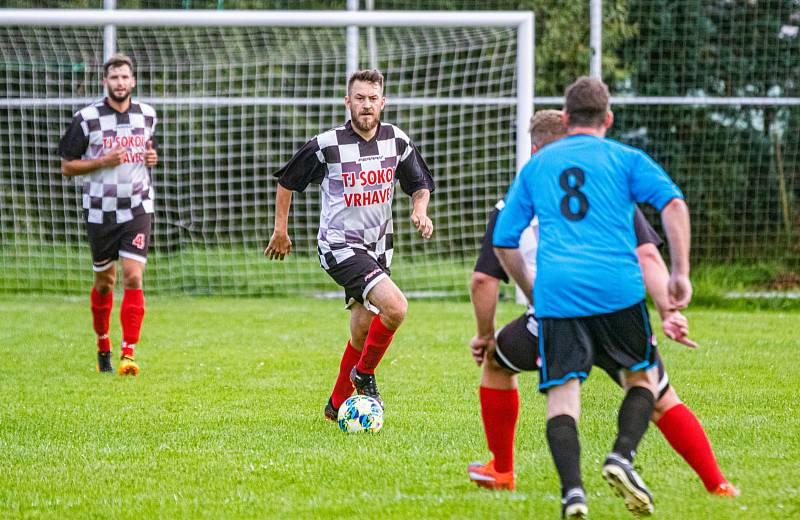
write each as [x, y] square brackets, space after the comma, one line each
[119, 99]
[367, 126]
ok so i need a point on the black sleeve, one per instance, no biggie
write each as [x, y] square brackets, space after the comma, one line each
[645, 234]
[413, 173]
[488, 263]
[74, 142]
[303, 168]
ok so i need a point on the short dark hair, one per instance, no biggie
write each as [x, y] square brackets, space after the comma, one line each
[586, 102]
[117, 60]
[367, 75]
[546, 126]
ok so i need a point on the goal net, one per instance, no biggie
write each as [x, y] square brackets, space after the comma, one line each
[234, 103]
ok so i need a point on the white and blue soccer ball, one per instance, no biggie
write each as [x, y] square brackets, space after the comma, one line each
[360, 413]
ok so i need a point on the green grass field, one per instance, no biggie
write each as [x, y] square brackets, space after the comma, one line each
[225, 419]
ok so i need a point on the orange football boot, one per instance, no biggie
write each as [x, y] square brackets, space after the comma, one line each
[486, 476]
[726, 489]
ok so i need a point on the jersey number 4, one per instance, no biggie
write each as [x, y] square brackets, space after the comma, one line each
[138, 241]
[573, 193]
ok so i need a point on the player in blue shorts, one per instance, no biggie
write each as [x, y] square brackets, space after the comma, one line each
[589, 292]
[513, 351]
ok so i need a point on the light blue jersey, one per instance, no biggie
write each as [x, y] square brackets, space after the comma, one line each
[584, 190]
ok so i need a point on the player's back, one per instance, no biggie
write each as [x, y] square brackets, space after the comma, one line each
[584, 190]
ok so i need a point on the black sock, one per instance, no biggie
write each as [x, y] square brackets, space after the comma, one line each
[562, 437]
[634, 416]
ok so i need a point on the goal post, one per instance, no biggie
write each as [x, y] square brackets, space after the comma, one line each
[237, 92]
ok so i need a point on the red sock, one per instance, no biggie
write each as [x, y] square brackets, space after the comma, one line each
[687, 437]
[499, 411]
[343, 387]
[131, 314]
[378, 339]
[101, 305]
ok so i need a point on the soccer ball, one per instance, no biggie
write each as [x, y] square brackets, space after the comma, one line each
[360, 413]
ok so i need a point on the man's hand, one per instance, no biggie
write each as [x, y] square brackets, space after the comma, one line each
[279, 246]
[680, 291]
[114, 157]
[478, 347]
[676, 328]
[423, 224]
[150, 155]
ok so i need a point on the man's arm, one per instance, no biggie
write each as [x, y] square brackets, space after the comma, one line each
[484, 291]
[419, 212]
[656, 280]
[675, 217]
[150, 155]
[71, 168]
[280, 244]
[514, 264]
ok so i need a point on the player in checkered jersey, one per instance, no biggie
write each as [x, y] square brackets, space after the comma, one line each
[357, 166]
[111, 143]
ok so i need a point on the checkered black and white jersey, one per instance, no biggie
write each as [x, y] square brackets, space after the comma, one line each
[120, 193]
[357, 178]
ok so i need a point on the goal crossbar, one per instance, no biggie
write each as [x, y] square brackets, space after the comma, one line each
[210, 17]
[521, 20]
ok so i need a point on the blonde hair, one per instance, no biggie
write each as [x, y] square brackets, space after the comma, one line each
[546, 126]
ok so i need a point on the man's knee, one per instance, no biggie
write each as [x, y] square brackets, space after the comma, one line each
[645, 378]
[495, 375]
[494, 367]
[132, 277]
[665, 403]
[564, 399]
[394, 311]
[104, 281]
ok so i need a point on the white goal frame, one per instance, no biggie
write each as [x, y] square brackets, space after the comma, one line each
[522, 21]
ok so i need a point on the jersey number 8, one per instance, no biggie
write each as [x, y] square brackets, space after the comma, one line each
[573, 191]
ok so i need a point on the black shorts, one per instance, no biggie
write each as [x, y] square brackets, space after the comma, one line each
[615, 341]
[517, 351]
[357, 275]
[487, 261]
[109, 241]
[517, 344]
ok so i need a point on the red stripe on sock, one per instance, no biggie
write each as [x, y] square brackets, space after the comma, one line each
[344, 387]
[499, 411]
[131, 314]
[686, 436]
[378, 339]
[101, 305]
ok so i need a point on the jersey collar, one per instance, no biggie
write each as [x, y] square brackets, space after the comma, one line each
[349, 126]
[108, 105]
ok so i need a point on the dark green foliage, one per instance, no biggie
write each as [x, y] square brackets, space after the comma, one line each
[738, 165]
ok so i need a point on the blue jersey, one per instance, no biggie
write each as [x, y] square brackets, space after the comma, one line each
[584, 190]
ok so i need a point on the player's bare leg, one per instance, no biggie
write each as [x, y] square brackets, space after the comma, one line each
[641, 387]
[391, 302]
[686, 435]
[131, 313]
[499, 411]
[360, 319]
[102, 301]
